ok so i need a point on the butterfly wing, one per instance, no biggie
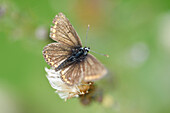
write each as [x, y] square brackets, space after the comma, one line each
[93, 69]
[72, 74]
[63, 32]
[89, 69]
[55, 53]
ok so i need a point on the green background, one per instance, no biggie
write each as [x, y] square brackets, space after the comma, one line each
[135, 34]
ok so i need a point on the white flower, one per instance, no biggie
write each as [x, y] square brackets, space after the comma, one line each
[63, 90]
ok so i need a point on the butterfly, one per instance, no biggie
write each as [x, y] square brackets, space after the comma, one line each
[69, 57]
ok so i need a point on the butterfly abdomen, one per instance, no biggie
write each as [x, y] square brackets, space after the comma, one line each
[65, 63]
[62, 65]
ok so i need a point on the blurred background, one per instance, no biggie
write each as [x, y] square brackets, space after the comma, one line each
[135, 34]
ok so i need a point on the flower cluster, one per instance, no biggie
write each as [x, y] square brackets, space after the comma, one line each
[63, 90]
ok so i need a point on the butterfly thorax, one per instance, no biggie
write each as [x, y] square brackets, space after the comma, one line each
[78, 55]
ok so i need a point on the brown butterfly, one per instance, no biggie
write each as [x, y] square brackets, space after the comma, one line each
[69, 57]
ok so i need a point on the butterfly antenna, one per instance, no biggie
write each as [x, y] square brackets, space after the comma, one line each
[87, 34]
[100, 53]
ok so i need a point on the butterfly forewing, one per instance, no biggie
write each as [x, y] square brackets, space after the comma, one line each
[93, 69]
[63, 32]
[55, 53]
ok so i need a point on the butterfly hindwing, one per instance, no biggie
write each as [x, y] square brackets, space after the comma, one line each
[63, 32]
[55, 53]
[72, 74]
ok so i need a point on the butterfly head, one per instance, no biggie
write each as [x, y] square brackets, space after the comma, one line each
[86, 49]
